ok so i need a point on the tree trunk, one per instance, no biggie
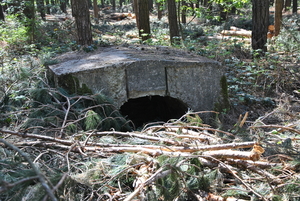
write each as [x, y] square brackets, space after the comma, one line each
[113, 3]
[260, 21]
[173, 24]
[2, 17]
[80, 11]
[63, 6]
[159, 11]
[47, 7]
[41, 8]
[136, 12]
[295, 6]
[144, 24]
[96, 10]
[287, 5]
[29, 9]
[278, 16]
[121, 3]
[150, 5]
[183, 12]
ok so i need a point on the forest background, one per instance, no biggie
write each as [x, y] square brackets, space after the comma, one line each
[56, 145]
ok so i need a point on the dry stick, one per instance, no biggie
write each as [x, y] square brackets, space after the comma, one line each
[170, 150]
[141, 136]
[187, 133]
[277, 126]
[135, 148]
[252, 166]
[236, 176]
[187, 126]
[66, 115]
[36, 170]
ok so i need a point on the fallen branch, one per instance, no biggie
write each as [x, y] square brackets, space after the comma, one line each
[253, 155]
[277, 126]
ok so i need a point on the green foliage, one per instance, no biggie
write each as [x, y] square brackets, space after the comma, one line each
[13, 32]
[87, 112]
[289, 38]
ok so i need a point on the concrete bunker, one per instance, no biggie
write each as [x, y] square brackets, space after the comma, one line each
[132, 76]
[155, 108]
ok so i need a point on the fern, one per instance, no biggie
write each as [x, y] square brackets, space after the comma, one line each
[92, 120]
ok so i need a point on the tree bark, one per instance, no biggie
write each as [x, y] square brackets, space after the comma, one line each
[159, 11]
[183, 12]
[41, 8]
[260, 21]
[63, 6]
[278, 16]
[80, 11]
[47, 6]
[150, 5]
[295, 6]
[96, 10]
[144, 24]
[287, 5]
[173, 24]
[2, 17]
[113, 3]
[136, 12]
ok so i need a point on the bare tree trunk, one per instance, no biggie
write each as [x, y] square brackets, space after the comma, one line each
[2, 17]
[150, 5]
[63, 6]
[113, 2]
[41, 8]
[173, 24]
[96, 10]
[278, 16]
[159, 11]
[47, 6]
[260, 21]
[80, 11]
[183, 12]
[295, 6]
[287, 5]
[136, 12]
[144, 24]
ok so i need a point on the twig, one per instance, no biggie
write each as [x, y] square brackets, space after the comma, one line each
[36, 170]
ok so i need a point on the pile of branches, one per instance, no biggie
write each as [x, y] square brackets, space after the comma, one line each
[180, 160]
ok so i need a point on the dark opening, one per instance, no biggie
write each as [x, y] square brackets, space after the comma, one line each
[152, 109]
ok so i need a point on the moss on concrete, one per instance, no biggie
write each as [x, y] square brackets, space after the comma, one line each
[223, 104]
[72, 85]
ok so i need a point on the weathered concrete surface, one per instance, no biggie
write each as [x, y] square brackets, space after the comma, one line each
[124, 73]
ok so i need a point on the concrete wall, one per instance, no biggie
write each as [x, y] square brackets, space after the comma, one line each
[126, 73]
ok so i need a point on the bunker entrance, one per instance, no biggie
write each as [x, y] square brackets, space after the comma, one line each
[152, 109]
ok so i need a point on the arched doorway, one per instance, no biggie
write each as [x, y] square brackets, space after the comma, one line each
[152, 109]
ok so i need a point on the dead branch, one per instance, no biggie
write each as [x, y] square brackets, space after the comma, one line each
[252, 167]
[135, 148]
[253, 155]
[169, 126]
[276, 126]
[138, 135]
[236, 176]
